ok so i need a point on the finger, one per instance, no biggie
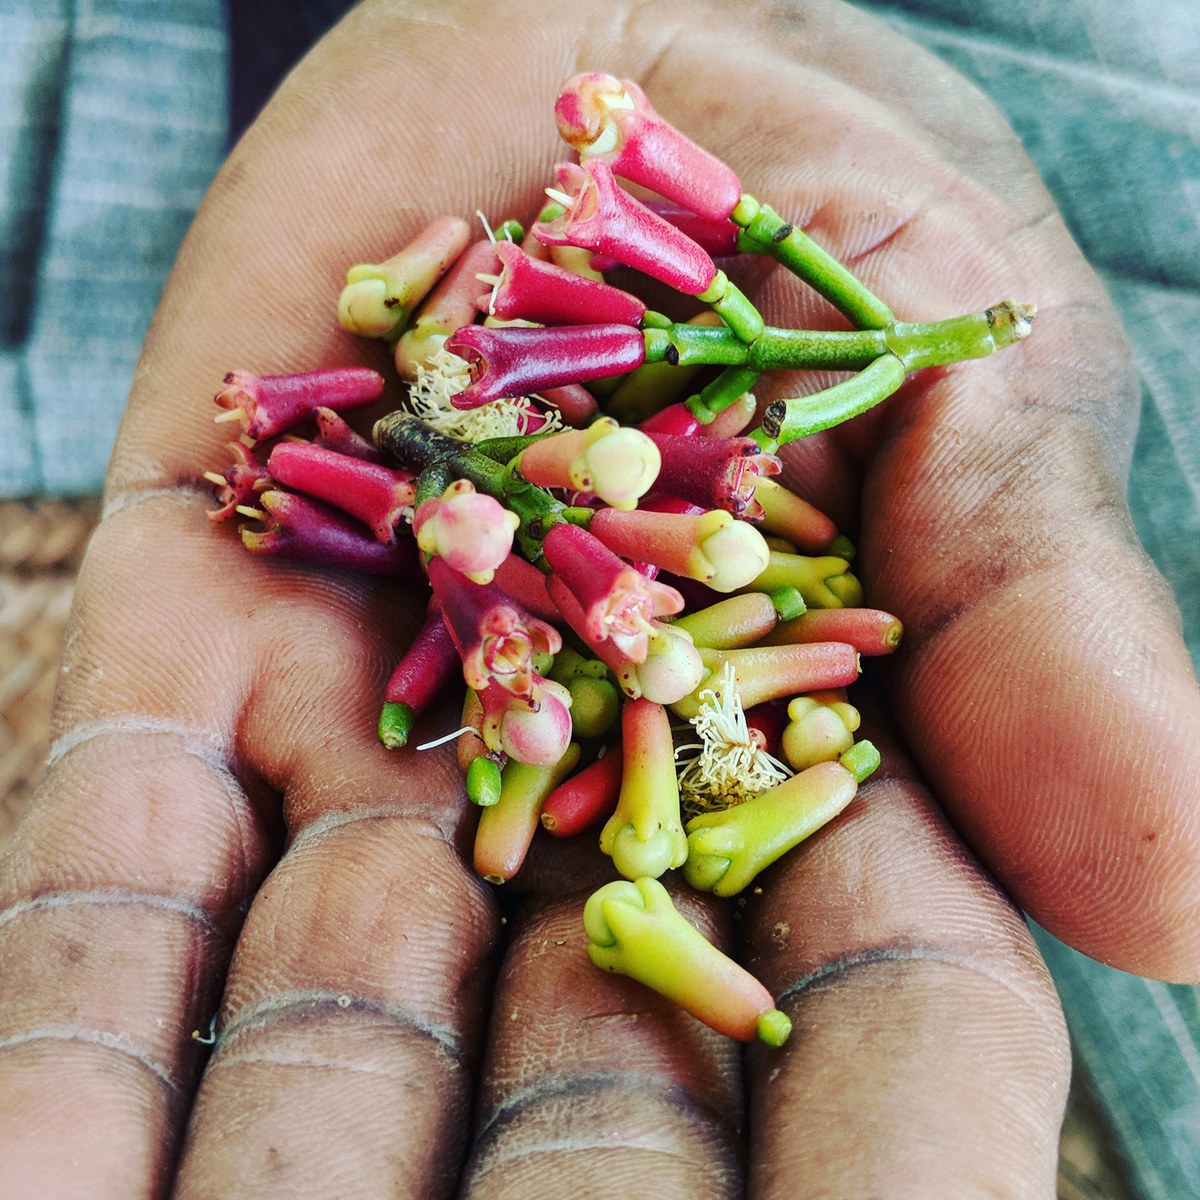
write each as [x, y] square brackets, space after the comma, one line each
[122, 892]
[593, 1085]
[348, 1041]
[995, 521]
[993, 518]
[928, 1054]
[350, 1002]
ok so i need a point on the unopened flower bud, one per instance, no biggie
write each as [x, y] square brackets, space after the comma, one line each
[378, 297]
[713, 548]
[548, 294]
[613, 462]
[727, 849]
[602, 218]
[537, 731]
[603, 117]
[268, 405]
[820, 728]
[520, 361]
[240, 485]
[472, 532]
[305, 530]
[644, 836]
[634, 929]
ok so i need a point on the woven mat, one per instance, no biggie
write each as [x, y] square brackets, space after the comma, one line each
[41, 544]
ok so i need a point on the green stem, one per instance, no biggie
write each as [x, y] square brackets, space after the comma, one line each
[730, 385]
[816, 349]
[431, 484]
[733, 306]
[696, 346]
[417, 446]
[766, 232]
[786, 420]
[504, 449]
[914, 344]
[483, 781]
[395, 724]
[974, 335]
[510, 230]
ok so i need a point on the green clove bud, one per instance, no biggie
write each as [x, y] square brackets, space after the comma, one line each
[634, 929]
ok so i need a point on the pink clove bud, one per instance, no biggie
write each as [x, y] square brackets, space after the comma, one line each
[714, 472]
[496, 639]
[610, 119]
[602, 218]
[676, 419]
[536, 731]
[530, 290]
[472, 532]
[671, 669]
[426, 668]
[679, 419]
[521, 361]
[268, 405]
[576, 406]
[613, 462]
[521, 580]
[713, 547]
[585, 799]
[335, 433]
[378, 496]
[305, 530]
[716, 236]
[241, 483]
[617, 602]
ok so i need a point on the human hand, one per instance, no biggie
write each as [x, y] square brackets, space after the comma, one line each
[217, 712]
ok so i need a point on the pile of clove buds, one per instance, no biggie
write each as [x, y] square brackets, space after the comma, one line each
[655, 636]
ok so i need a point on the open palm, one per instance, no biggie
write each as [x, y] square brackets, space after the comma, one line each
[220, 830]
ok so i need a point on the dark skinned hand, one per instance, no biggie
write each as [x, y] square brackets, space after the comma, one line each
[220, 832]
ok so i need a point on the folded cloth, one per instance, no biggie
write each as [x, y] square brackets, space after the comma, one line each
[120, 119]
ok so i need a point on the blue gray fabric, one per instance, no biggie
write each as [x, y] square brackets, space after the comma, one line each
[112, 123]
[114, 117]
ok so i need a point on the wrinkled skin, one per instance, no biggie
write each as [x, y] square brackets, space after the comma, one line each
[219, 831]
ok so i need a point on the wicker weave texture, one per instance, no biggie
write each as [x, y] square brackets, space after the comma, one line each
[41, 545]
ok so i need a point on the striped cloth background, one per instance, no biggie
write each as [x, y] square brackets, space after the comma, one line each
[114, 115]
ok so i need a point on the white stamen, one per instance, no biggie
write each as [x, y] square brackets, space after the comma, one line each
[727, 766]
[494, 281]
[449, 737]
[560, 197]
[612, 100]
[487, 229]
[445, 375]
[607, 139]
